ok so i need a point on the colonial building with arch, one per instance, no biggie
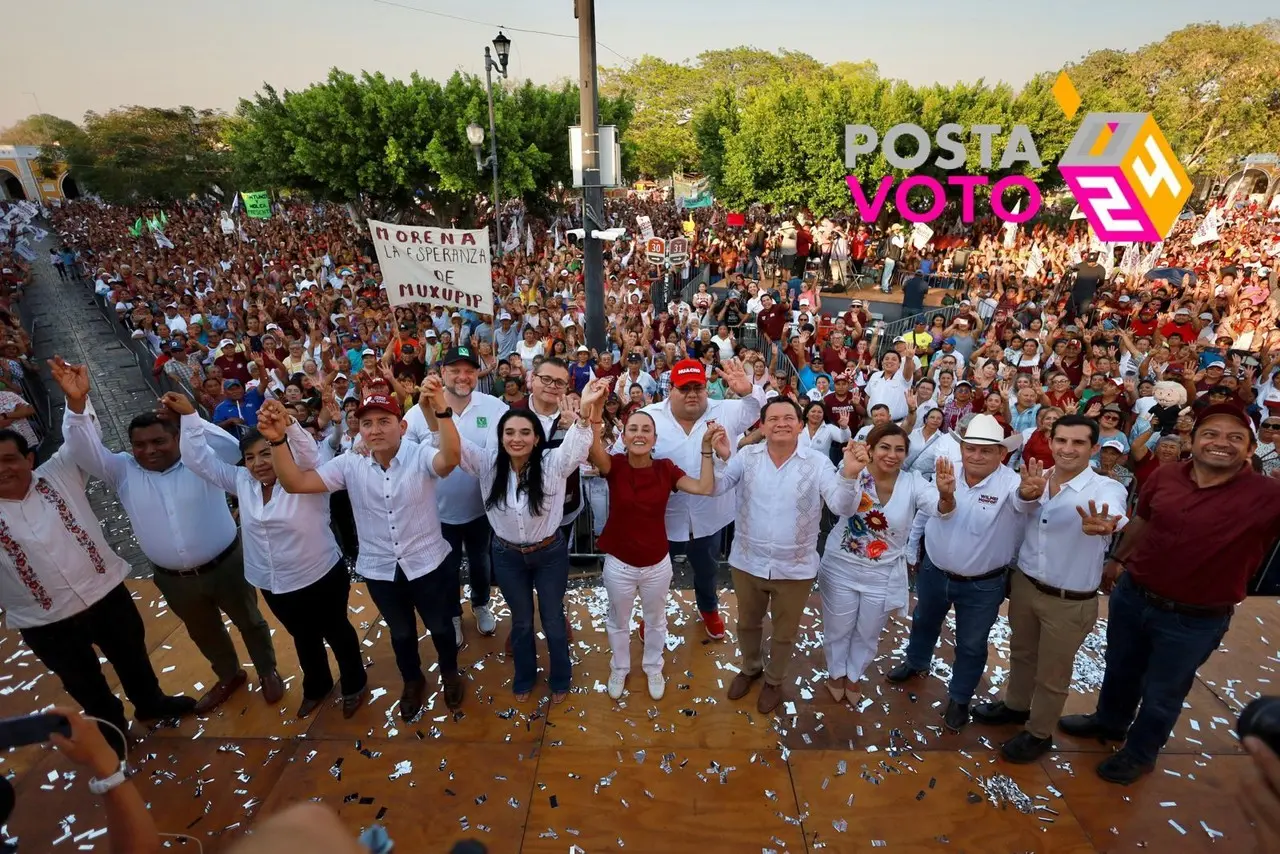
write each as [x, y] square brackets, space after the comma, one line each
[20, 177]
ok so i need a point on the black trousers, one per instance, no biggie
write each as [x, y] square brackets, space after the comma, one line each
[317, 614]
[113, 625]
[344, 523]
[433, 596]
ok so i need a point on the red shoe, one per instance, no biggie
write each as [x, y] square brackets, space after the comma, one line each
[713, 624]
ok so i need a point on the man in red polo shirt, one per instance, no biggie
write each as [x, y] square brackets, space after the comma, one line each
[1199, 533]
[770, 320]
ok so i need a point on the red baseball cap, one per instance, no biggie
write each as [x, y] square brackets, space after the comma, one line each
[1228, 409]
[381, 402]
[688, 371]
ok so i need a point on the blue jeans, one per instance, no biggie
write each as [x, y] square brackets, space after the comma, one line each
[519, 575]
[703, 554]
[886, 277]
[977, 605]
[752, 268]
[1152, 658]
[476, 537]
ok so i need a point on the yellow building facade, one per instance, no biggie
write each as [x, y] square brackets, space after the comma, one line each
[20, 177]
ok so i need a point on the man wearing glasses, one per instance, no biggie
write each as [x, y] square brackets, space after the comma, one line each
[695, 524]
[1267, 452]
[546, 397]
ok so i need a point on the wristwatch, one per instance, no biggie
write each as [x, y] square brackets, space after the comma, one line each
[101, 787]
[447, 412]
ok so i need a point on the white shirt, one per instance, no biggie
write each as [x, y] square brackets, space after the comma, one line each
[288, 543]
[643, 379]
[780, 508]
[821, 439]
[33, 534]
[984, 531]
[891, 391]
[515, 522]
[458, 498]
[181, 520]
[1055, 551]
[693, 516]
[394, 509]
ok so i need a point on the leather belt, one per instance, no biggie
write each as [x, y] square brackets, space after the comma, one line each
[204, 567]
[1058, 592]
[1160, 603]
[995, 573]
[525, 548]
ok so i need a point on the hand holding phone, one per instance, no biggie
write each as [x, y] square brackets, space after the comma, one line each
[32, 729]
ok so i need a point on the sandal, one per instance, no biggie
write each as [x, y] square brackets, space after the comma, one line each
[521, 696]
[559, 697]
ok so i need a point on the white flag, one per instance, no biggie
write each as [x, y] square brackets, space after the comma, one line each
[1207, 231]
[1076, 213]
[1130, 260]
[162, 241]
[1035, 263]
[512, 241]
[244, 235]
[235, 204]
[528, 240]
[1011, 228]
[1107, 257]
[1152, 259]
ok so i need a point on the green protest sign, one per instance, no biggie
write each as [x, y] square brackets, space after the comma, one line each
[257, 205]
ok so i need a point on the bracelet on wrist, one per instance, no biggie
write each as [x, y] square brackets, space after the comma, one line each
[278, 443]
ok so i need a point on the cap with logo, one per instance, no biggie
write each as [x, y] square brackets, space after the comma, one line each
[687, 371]
[380, 402]
[460, 354]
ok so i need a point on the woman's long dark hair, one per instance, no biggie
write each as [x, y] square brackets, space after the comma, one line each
[530, 480]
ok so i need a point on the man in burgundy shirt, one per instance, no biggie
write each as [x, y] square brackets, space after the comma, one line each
[841, 401]
[233, 363]
[1199, 533]
[772, 317]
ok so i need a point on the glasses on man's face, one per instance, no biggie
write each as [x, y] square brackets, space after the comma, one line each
[552, 382]
[1271, 425]
[691, 389]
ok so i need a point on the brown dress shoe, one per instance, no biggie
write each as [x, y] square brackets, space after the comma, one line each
[351, 703]
[741, 685]
[306, 707]
[220, 693]
[568, 629]
[272, 688]
[411, 699]
[454, 688]
[770, 698]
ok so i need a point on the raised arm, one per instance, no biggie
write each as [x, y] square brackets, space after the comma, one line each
[706, 481]
[83, 444]
[273, 419]
[448, 443]
[196, 454]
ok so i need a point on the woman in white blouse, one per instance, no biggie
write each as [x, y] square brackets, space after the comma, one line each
[523, 485]
[818, 434]
[290, 553]
[863, 574]
[923, 447]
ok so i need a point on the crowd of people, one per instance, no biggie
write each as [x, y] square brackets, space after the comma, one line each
[1074, 425]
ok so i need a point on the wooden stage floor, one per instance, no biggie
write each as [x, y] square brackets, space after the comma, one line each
[693, 772]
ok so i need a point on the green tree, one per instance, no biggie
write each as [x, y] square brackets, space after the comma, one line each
[137, 154]
[38, 129]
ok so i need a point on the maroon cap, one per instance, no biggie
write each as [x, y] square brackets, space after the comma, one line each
[382, 402]
[688, 371]
[1224, 409]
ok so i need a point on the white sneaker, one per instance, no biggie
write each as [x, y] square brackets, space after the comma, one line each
[457, 632]
[617, 684]
[485, 621]
[657, 686]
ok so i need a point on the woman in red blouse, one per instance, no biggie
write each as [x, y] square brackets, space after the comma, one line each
[634, 543]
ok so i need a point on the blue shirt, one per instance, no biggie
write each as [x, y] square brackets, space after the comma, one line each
[580, 375]
[245, 409]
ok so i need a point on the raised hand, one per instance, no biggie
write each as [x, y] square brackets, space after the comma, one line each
[1034, 480]
[720, 443]
[1095, 522]
[570, 407]
[432, 390]
[944, 477]
[842, 420]
[710, 435]
[735, 377]
[912, 403]
[594, 394]
[72, 379]
[177, 403]
[273, 420]
[856, 457]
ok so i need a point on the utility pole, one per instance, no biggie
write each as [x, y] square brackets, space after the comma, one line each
[493, 144]
[592, 192]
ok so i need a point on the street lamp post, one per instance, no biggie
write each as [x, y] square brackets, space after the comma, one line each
[475, 133]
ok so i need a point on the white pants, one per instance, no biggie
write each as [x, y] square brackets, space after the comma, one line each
[623, 581]
[852, 620]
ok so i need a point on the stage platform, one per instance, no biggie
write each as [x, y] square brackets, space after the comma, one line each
[693, 772]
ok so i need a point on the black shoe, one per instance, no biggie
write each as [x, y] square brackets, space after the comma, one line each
[998, 713]
[453, 691]
[1087, 726]
[902, 673]
[164, 708]
[1123, 768]
[1025, 747]
[411, 699]
[956, 716]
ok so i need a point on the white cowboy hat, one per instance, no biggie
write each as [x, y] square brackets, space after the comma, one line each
[986, 430]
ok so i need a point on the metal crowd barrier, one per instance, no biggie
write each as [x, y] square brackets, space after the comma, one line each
[895, 330]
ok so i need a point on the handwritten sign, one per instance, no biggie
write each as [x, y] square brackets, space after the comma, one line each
[257, 205]
[436, 266]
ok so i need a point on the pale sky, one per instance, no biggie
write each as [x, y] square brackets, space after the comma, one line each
[77, 55]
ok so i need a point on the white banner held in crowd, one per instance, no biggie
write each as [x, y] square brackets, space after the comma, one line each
[646, 226]
[1207, 231]
[162, 241]
[1076, 213]
[1011, 228]
[436, 266]
[24, 251]
[1151, 260]
[528, 240]
[1035, 263]
[921, 234]
[1130, 260]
